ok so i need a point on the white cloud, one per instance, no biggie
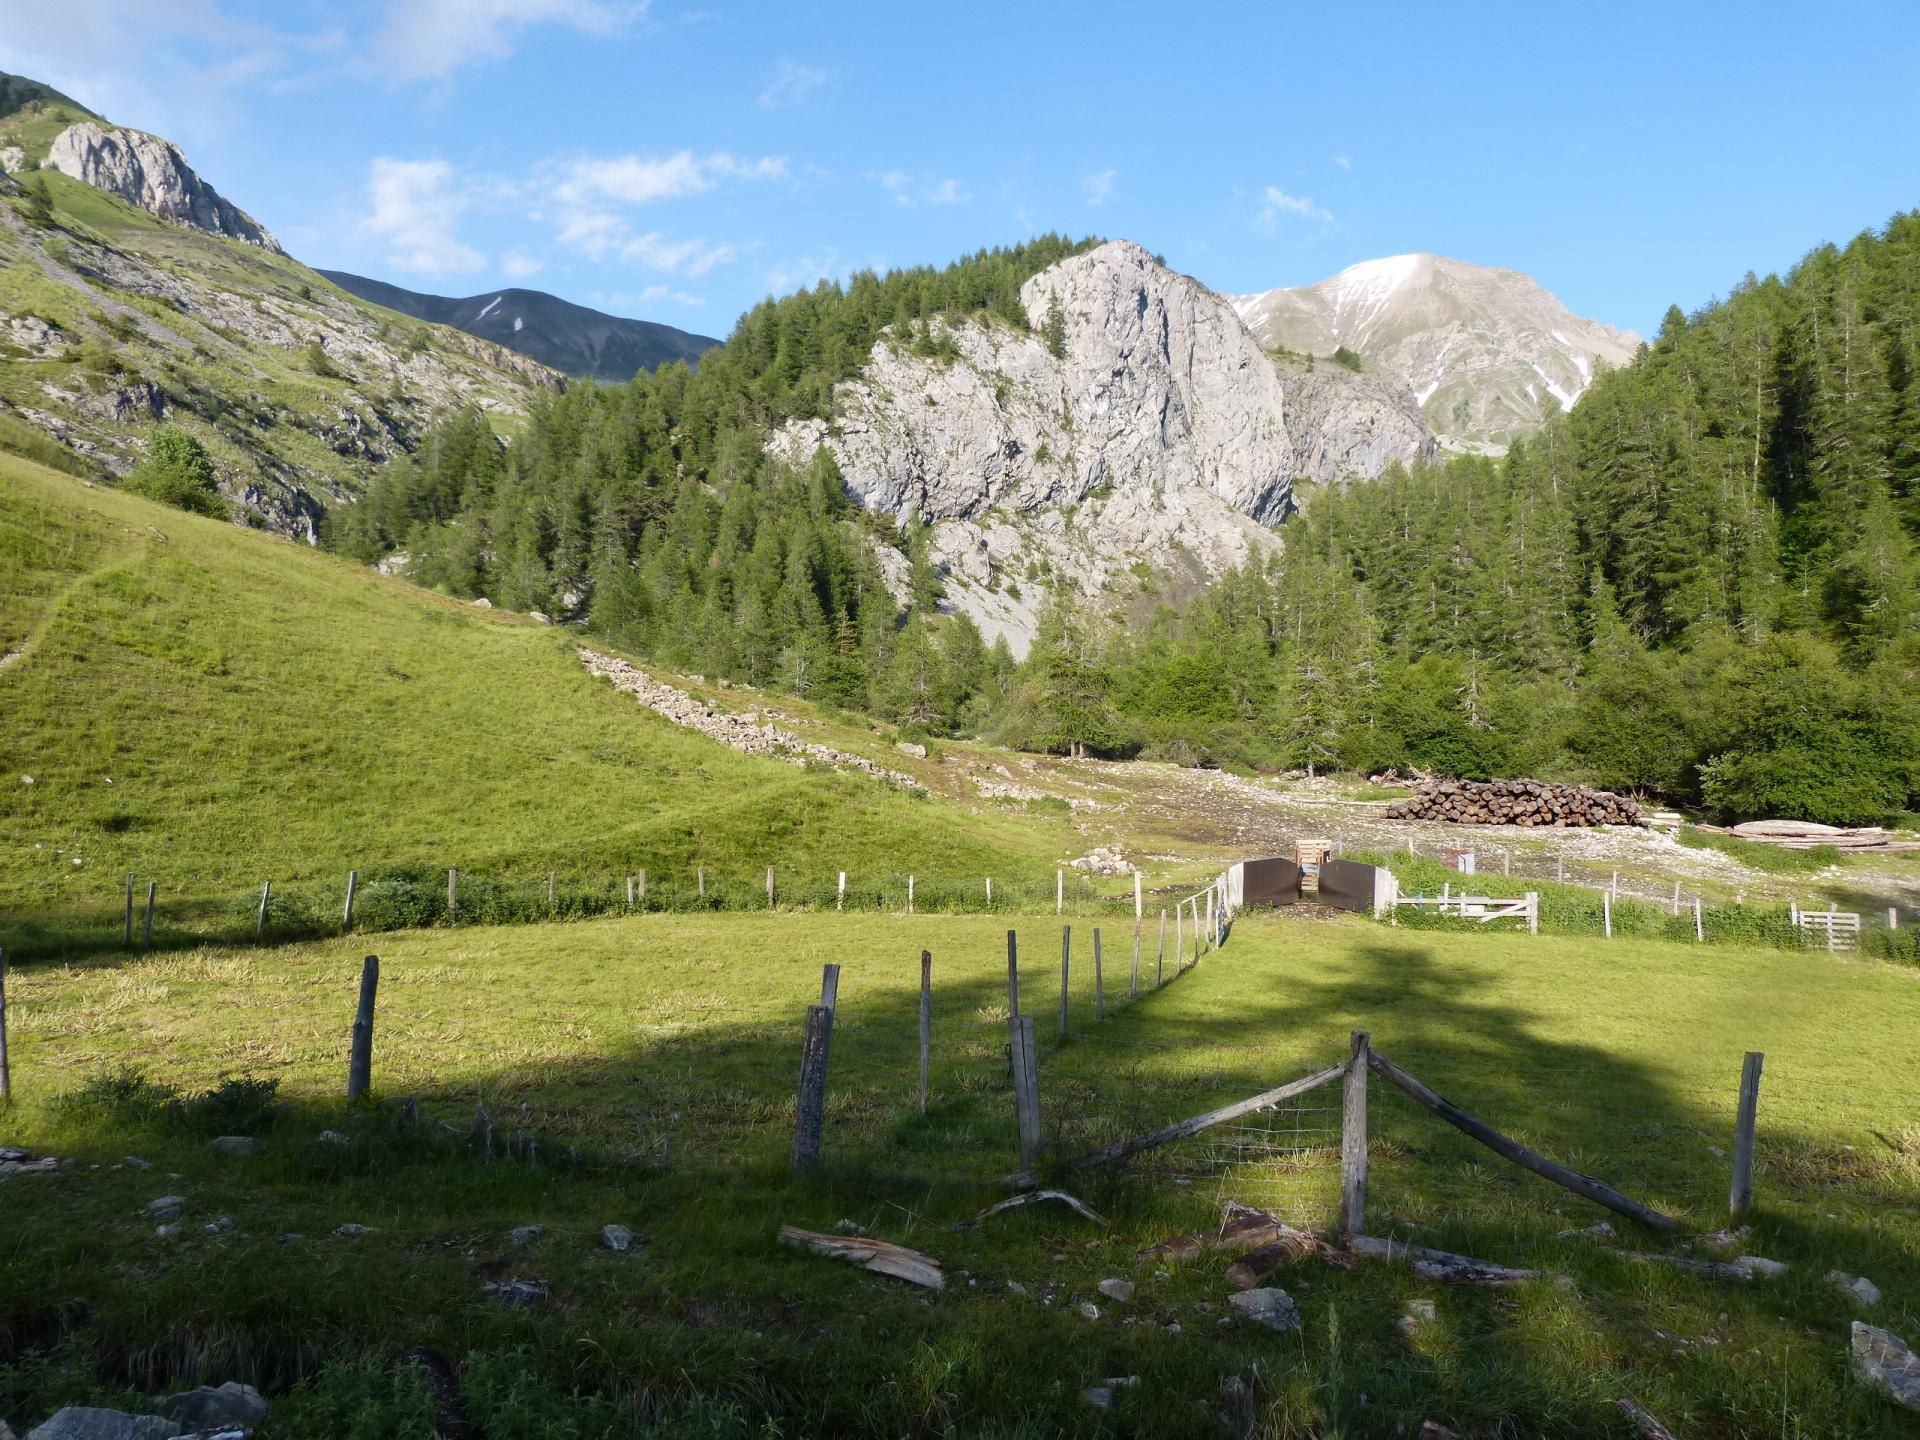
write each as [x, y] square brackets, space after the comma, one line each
[949, 192]
[415, 207]
[792, 82]
[1345, 162]
[1098, 187]
[519, 265]
[654, 294]
[675, 257]
[804, 270]
[1275, 202]
[641, 180]
[430, 39]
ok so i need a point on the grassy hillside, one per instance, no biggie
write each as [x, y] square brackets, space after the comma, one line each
[211, 708]
[666, 1046]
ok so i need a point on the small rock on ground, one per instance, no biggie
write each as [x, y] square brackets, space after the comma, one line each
[1090, 1310]
[1418, 1312]
[1759, 1267]
[1881, 1361]
[517, 1294]
[85, 1422]
[1268, 1306]
[349, 1230]
[617, 1238]
[526, 1234]
[1117, 1289]
[219, 1225]
[1855, 1287]
[216, 1407]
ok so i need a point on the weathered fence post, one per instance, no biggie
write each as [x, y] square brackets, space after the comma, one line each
[346, 915]
[1179, 932]
[1099, 982]
[453, 892]
[830, 986]
[1160, 956]
[1013, 973]
[811, 1111]
[700, 879]
[1893, 917]
[129, 940]
[1616, 884]
[1139, 916]
[1560, 868]
[989, 892]
[6, 1074]
[926, 1023]
[360, 1056]
[152, 886]
[1066, 954]
[1353, 1139]
[1533, 912]
[770, 904]
[640, 889]
[1606, 914]
[260, 920]
[1506, 861]
[1699, 921]
[1059, 892]
[1026, 1087]
[840, 900]
[1740, 1198]
[629, 893]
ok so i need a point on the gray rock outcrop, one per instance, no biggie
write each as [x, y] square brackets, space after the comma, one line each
[87, 1422]
[1883, 1361]
[147, 171]
[1160, 435]
[216, 1407]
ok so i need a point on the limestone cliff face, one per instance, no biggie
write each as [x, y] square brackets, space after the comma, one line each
[147, 171]
[1160, 438]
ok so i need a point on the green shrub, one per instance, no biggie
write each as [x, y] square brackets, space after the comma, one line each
[319, 362]
[177, 470]
[1346, 357]
[360, 1401]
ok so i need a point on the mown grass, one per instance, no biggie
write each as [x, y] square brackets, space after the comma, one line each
[663, 1049]
[210, 708]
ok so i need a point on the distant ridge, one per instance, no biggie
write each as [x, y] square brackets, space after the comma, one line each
[571, 338]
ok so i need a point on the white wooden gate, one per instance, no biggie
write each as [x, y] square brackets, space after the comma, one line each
[1830, 929]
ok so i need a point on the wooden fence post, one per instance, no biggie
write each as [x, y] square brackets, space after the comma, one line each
[810, 1113]
[926, 1023]
[629, 893]
[1533, 912]
[989, 892]
[360, 1057]
[770, 904]
[1353, 1139]
[152, 886]
[700, 879]
[830, 986]
[909, 894]
[1674, 909]
[1179, 932]
[1506, 861]
[1160, 956]
[346, 915]
[1026, 1087]
[1893, 917]
[1013, 973]
[6, 1074]
[453, 893]
[129, 940]
[1560, 868]
[1099, 982]
[1066, 954]
[640, 889]
[1616, 884]
[260, 920]
[1740, 1197]
[1059, 892]
[840, 900]
[1606, 914]
[1699, 921]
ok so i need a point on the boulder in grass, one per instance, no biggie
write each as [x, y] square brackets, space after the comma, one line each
[617, 1238]
[1881, 1361]
[1856, 1288]
[216, 1407]
[1268, 1306]
[85, 1422]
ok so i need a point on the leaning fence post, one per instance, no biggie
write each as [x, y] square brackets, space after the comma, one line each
[1026, 1087]
[346, 915]
[152, 886]
[1740, 1198]
[360, 1057]
[6, 1074]
[810, 1113]
[129, 940]
[926, 1022]
[260, 920]
[1066, 954]
[1099, 983]
[1353, 1139]
[830, 986]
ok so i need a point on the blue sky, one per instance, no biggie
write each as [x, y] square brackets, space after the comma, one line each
[680, 161]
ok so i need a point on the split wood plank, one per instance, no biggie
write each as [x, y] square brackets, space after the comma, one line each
[1444, 1266]
[880, 1256]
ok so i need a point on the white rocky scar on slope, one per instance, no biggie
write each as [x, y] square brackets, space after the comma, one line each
[147, 171]
[745, 733]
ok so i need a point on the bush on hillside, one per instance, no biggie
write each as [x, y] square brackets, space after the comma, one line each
[177, 471]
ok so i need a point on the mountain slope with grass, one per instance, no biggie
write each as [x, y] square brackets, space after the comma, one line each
[575, 339]
[211, 709]
[113, 319]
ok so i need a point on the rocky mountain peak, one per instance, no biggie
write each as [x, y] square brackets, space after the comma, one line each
[1487, 352]
[1135, 425]
[151, 173]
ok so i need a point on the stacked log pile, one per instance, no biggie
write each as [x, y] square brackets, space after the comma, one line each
[1516, 802]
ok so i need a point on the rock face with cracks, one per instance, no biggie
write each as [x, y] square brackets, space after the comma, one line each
[147, 171]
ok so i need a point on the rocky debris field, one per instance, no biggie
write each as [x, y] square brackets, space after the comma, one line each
[747, 733]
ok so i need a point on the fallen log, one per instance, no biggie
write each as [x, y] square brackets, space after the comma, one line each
[879, 1256]
[1254, 1266]
[1747, 1267]
[1597, 1191]
[1446, 1267]
[1181, 1129]
[1032, 1197]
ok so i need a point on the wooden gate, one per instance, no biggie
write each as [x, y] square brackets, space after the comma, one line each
[1830, 929]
